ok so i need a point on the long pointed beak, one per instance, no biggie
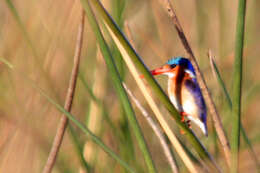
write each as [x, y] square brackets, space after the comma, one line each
[160, 70]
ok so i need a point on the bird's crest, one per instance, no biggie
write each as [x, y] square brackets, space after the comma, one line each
[183, 62]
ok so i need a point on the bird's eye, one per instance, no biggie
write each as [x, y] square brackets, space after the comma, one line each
[173, 65]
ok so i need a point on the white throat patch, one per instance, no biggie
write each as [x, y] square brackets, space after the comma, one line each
[170, 75]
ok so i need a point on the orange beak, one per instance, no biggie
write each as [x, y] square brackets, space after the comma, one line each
[161, 70]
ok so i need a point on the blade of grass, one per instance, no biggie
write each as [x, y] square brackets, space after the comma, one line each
[157, 89]
[83, 128]
[229, 102]
[20, 24]
[118, 7]
[237, 84]
[205, 91]
[219, 79]
[79, 148]
[118, 85]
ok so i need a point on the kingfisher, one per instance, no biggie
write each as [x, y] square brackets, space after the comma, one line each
[184, 91]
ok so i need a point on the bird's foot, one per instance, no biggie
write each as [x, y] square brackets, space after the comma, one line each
[183, 115]
[188, 123]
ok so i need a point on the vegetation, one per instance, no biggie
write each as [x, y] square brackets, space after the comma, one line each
[108, 129]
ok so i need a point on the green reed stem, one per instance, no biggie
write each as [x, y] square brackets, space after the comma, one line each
[237, 84]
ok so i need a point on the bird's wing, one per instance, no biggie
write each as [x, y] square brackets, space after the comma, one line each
[193, 87]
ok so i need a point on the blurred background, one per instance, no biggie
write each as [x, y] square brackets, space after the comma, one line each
[39, 37]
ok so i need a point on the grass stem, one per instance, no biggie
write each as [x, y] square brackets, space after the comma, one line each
[68, 102]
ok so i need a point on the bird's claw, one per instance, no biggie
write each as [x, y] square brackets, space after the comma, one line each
[183, 114]
[188, 123]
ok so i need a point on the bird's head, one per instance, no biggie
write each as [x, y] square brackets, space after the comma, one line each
[173, 65]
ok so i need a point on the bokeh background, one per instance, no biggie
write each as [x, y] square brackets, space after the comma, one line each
[39, 37]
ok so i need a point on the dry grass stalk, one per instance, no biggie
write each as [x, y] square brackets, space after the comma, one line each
[68, 102]
[205, 91]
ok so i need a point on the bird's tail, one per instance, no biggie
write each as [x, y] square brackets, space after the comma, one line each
[202, 124]
[204, 129]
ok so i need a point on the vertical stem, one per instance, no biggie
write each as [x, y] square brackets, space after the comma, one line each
[237, 84]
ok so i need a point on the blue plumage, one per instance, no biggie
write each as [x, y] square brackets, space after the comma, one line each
[183, 62]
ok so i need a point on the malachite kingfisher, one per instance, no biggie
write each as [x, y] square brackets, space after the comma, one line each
[184, 91]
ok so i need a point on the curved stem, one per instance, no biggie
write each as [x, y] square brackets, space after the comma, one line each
[68, 102]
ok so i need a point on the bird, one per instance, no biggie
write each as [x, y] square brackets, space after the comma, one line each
[184, 91]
